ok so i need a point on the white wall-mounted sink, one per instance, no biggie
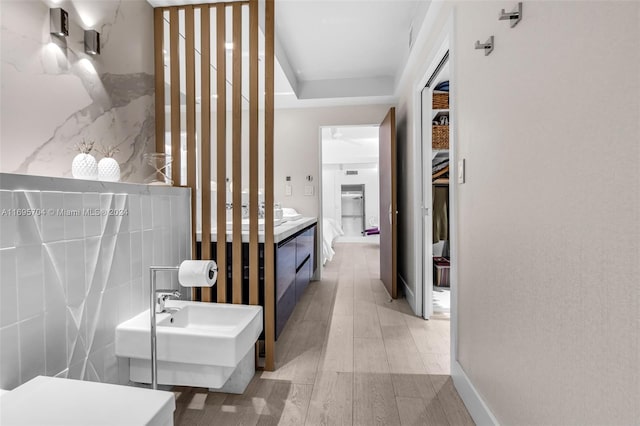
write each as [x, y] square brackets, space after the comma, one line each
[199, 344]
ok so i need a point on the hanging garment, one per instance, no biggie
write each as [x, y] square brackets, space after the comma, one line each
[440, 213]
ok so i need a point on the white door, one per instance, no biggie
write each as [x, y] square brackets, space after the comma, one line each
[427, 204]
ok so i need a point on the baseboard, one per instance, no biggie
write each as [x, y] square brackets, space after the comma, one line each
[476, 406]
[409, 294]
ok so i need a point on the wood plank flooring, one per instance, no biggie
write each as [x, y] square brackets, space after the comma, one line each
[348, 356]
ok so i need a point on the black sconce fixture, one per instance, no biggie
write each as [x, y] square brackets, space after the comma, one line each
[59, 22]
[92, 42]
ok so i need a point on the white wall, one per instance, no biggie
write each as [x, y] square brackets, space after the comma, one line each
[297, 148]
[549, 127]
[66, 282]
[54, 95]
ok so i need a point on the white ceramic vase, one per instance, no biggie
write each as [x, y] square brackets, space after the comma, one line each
[109, 170]
[84, 166]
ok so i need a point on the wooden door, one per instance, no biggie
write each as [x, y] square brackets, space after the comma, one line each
[388, 204]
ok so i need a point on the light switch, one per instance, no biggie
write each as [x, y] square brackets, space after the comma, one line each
[308, 190]
[461, 171]
[288, 190]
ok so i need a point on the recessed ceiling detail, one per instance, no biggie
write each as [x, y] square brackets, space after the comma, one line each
[346, 48]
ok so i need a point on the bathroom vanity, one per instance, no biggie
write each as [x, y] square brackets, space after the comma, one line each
[295, 264]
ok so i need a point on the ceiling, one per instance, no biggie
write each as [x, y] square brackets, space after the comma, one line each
[347, 48]
[328, 52]
[350, 145]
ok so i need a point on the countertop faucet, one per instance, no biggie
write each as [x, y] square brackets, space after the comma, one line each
[162, 296]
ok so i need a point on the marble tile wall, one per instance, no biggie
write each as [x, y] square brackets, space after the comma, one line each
[67, 279]
[54, 95]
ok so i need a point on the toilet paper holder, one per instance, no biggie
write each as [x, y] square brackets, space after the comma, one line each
[213, 271]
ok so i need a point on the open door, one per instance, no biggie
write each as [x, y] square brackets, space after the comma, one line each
[388, 204]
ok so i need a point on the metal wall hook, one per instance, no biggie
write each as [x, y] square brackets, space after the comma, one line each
[513, 17]
[487, 46]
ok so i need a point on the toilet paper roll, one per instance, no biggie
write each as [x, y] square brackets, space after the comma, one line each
[197, 273]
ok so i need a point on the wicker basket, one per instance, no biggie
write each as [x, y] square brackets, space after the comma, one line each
[440, 138]
[440, 100]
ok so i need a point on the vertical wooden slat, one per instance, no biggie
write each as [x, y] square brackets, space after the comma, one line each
[158, 40]
[205, 143]
[269, 255]
[190, 70]
[174, 41]
[253, 153]
[236, 272]
[221, 150]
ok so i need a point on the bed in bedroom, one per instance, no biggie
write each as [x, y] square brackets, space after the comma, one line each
[330, 231]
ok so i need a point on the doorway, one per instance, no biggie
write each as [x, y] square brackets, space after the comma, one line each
[436, 167]
[350, 186]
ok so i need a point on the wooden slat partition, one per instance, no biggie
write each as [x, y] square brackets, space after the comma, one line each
[221, 150]
[269, 249]
[236, 124]
[203, 161]
[205, 143]
[254, 170]
[174, 38]
[158, 41]
[190, 71]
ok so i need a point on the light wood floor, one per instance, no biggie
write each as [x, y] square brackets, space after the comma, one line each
[348, 356]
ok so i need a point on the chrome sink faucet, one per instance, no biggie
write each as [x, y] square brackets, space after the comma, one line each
[162, 296]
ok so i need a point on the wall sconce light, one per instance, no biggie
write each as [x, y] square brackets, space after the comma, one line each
[59, 22]
[91, 42]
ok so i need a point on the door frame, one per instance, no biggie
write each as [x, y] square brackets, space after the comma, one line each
[426, 205]
[320, 225]
[425, 296]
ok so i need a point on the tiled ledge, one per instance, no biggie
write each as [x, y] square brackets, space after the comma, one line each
[15, 182]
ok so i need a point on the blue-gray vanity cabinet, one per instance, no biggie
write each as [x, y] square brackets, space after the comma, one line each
[294, 267]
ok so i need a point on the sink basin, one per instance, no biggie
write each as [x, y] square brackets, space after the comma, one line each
[199, 344]
[245, 224]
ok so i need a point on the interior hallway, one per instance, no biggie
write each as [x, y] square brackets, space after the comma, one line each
[347, 356]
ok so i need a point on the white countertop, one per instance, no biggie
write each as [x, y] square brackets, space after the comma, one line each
[280, 232]
[55, 401]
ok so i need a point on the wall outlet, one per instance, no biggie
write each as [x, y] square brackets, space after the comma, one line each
[308, 190]
[461, 171]
[288, 190]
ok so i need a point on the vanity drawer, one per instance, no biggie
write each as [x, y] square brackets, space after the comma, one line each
[284, 308]
[303, 276]
[285, 267]
[304, 246]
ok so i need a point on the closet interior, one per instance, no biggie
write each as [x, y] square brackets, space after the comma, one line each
[440, 191]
